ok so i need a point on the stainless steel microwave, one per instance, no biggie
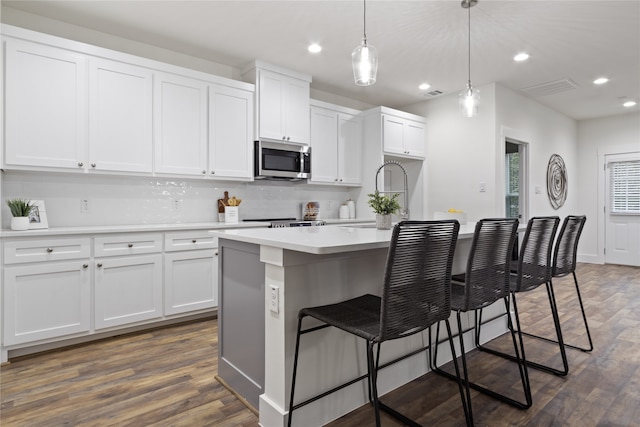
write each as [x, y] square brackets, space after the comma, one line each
[281, 161]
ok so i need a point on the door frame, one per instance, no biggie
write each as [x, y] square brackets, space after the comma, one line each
[602, 191]
[520, 137]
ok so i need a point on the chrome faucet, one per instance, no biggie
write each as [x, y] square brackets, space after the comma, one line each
[403, 214]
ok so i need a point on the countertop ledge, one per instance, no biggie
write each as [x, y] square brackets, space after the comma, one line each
[142, 228]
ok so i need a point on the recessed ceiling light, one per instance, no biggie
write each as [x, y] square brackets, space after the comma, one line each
[600, 81]
[314, 48]
[523, 56]
[424, 86]
[629, 104]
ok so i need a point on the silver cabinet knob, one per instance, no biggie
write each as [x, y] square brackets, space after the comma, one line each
[49, 250]
[340, 179]
[85, 265]
[336, 179]
[80, 164]
[288, 138]
[130, 245]
[216, 253]
[99, 265]
[204, 172]
[284, 138]
[93, 165]
[213, 172]
[193, 241]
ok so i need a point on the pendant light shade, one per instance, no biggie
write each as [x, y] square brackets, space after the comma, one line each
[469, 97]
[364, 59]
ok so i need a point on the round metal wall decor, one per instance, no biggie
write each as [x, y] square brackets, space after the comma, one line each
[556, 181]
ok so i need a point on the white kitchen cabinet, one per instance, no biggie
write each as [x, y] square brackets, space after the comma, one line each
[282, 102]
[120, 117]
[180, 125]
[336, 145]
[230, 132]
[403, 136]
[46, 289]
[128, 288]
[190, 272]
[45, 106]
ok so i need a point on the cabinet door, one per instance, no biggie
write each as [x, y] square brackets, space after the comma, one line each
[127, 290]
[120, 102]
[393, 135]
[180, 125]
[190, 281]
[349, 149]
[414, 138]
[45, 300]
[45, 106]
[231, 121]
[271, 99]
[296, 119]
[324, 145]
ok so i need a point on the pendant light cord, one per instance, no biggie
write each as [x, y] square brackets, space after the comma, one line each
[469, 44]
[364, 18]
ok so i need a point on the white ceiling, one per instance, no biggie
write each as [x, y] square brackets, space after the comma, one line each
[417, 41]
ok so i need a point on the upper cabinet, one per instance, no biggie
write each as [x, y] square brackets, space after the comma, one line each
[282, 103]
[180, 125]
[76, 107]
[401, 134]
[120, 124]
[336, 144]
[46, 95]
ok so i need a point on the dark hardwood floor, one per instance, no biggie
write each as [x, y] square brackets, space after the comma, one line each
[165, 377]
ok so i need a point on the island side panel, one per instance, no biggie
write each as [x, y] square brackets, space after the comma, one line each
[328, 357]
[241, 319]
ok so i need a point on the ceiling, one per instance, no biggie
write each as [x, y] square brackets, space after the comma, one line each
[570, 42]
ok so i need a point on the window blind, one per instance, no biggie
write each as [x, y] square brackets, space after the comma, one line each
[625, 187]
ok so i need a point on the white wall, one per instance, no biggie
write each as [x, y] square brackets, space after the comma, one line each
[596, 137]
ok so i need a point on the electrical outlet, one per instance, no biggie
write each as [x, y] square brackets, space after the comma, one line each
[177, 204]
[274, 298]
[84, 205]
[483, 187]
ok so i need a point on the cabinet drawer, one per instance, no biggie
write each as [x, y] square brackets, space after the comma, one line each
[28, 250]
[128, 244]
[182, 241]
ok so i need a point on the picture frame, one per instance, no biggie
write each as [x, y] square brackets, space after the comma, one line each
[38, 216]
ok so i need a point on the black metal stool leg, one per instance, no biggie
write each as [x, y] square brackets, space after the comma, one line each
[295, 369]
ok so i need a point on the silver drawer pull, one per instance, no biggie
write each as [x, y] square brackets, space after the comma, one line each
[80, 164]
[130, 245]
[93, 165]
[216, 253]
[49, 250]
[85, 265]
[193, 241]
[99, 264]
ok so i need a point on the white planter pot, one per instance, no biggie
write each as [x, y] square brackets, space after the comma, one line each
[383, 222]
[20, 223]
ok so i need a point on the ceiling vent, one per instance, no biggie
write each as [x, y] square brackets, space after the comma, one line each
[550, 88]
[433, 93]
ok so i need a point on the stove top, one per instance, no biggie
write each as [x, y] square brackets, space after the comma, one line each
[288, 222]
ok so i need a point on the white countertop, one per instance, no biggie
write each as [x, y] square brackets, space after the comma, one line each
[133, 228]
[321, 240]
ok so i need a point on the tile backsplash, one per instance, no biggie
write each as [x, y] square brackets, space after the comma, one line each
[117, 200]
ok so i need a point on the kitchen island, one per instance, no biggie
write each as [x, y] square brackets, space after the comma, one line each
[266, 276]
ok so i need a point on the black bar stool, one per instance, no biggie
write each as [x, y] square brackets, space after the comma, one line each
[485, 282]
[416, 294]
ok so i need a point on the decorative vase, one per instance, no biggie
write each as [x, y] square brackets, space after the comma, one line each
[383, 222]
[20, 223]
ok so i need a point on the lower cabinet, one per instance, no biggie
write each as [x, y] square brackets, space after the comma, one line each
[127, 290]
[46, 300]
[189, 280]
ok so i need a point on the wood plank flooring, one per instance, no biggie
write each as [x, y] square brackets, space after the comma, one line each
[165, 377]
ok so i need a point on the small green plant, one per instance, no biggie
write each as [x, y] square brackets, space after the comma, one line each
[20, 207]
[383, 204]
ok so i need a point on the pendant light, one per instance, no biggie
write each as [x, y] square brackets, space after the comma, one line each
[469, 97]
[364, 59]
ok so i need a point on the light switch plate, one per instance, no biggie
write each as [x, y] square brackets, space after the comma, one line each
[274, 299]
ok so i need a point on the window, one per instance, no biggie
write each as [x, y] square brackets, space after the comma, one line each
[625, 187]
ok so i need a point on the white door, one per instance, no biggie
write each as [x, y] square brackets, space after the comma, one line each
[190, 281]
[622, 212]
[230, 130]
[271, 99]
[180, 125]
[414, 139]
[349, 149]
[393, 135]
[296, 107]
[120, 128]
[45, 106]
[324, 145]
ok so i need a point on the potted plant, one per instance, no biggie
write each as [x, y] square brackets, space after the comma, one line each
[384, 206]
[20, 210]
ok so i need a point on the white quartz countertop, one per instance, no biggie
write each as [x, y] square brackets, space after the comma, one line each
[321, 240]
